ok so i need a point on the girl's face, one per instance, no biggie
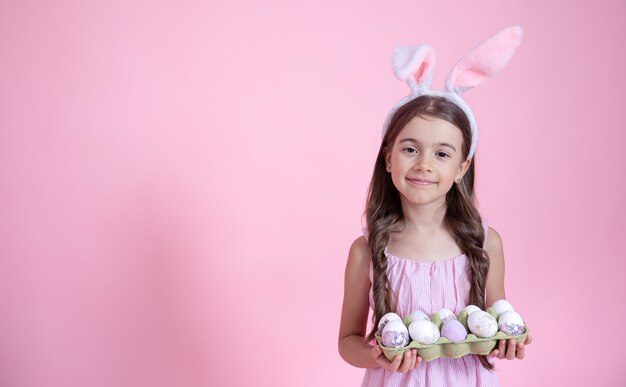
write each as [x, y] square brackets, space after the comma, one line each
[425, 160]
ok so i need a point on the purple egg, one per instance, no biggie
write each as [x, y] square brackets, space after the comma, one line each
[453, 330]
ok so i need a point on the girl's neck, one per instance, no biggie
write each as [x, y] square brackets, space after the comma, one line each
[424, 218]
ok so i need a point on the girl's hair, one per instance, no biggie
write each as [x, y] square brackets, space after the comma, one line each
[384, 210]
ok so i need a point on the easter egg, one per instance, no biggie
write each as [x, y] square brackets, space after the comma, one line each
[453, 330]
[424, 332]
[482, 324]
[385, 319]
[511, 323]
[446, 314]
[471, 309]
[415, 315]
[502, 306]
[395, 334]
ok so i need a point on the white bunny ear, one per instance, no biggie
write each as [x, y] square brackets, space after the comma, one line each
[415, 64]
[484, 61]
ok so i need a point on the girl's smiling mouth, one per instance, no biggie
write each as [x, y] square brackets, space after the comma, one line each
[420, 181]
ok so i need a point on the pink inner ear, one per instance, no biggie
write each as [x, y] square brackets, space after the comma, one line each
[425, 70]
[473, 76]
[485, 61]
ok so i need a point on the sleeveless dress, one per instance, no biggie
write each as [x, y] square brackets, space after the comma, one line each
[429, 286]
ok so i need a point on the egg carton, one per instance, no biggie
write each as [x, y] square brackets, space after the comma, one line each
[472, 345]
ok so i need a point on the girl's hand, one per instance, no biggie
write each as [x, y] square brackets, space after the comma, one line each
[509, 350]
[400, 363]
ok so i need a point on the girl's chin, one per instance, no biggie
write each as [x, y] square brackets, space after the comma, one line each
[412, 200]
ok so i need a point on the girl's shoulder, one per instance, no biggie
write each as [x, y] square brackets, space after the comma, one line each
[358, 265]
[360, 248]
[493, 240]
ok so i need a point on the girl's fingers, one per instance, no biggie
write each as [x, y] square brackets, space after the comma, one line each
[529, 339]
[510, 352]
[393, 367]
[406, 362]
[377, 352]
[494, 353]
[413, 359]
[418, 361]
[521, 352]
[501, 349]
[382, 361]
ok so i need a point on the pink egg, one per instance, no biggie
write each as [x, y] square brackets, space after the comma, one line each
[453, 330]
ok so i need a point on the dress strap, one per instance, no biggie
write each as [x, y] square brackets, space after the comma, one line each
[371, 270]
[486, 227]
[365, 234]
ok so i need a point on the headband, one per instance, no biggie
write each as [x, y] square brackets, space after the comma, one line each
[416, 65]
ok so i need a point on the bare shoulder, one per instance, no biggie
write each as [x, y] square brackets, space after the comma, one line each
[494, 241]
[359, 252]
[360, 245]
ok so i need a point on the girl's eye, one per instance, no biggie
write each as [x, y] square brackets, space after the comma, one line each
[410, 150]
[442, 154]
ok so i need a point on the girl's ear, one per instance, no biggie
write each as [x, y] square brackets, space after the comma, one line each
[463, 168]
[387, 153]
[484, 61]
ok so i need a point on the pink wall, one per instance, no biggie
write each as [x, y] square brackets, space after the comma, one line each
[181, 181]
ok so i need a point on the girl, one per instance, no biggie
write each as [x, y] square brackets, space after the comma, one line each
[425, 246]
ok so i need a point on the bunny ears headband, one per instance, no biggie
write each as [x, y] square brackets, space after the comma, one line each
[416, 64]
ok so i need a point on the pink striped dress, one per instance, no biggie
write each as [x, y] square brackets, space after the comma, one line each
[429, 286]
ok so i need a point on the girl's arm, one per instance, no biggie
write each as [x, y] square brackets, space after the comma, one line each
[495, 277]
[495, 291]
[353, 347]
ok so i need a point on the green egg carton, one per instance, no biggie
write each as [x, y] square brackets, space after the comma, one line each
[472, 345]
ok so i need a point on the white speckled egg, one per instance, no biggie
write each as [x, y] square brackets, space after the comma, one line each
[502, 306]
[415, 315]
[385, 319]
[471, 309]
[424, 332]
[511, 323]
[395, 334]
[482, 324]
[446, 314]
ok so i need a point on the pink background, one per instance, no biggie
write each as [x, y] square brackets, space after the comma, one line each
[181, 182]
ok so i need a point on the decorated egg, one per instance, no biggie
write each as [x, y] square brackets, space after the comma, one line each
[385, 319]
[446, 314]
[502, 306]
[482, 324]
[453, 330]
[471, 309]
[424, 332]
[415, 315]
[511, 323]
[395, 334]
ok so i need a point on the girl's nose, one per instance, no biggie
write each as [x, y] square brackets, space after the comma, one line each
[423, 162]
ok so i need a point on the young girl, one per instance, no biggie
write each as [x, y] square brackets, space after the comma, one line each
[425, 246]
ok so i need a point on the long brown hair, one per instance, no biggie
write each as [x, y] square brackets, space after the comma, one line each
[383, 211]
